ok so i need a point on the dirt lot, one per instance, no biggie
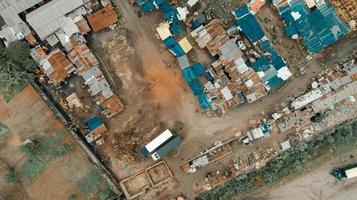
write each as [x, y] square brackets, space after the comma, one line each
[317, 184]
[29, 117]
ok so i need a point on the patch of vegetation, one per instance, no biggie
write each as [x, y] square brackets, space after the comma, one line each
[90, 184]
[72, 197]
[3, 129]
[106, 194]
[32, 167]
[10, 176]
[42, 151]
[16, 67]
[289, 162]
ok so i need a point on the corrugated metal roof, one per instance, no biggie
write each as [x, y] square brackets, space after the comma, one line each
[168, 147]
[248, 24]
[318, 28]
[47, 19]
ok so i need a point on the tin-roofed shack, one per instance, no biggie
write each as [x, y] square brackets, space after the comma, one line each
[103, 18]
[57, 67]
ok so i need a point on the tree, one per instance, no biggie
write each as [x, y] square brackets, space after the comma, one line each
[16, 67]
[18, 52]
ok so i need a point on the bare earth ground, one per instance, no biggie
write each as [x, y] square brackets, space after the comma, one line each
[28, 117]
[317, 184]
[155, 95]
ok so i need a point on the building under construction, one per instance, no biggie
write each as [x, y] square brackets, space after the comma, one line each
[347, 9]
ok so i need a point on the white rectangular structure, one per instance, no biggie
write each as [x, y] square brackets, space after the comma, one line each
[351, 173]
[159, 140]
[306, 99]
[47, 19]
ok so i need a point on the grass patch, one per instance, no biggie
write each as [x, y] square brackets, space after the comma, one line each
[93, 186]
[41, 152]
[32, 167]
[3, 129]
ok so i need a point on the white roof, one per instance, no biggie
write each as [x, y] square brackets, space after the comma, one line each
[192, 2]
[185, 45]
[249, 83]
[47, 67]
[182, 13]
[257, 133]
[48, 18]
[164, 30]
[226, 93]
[285, 145]
[306, 99]
[156, 142]
[241, 66]
[284, 73]
[351, 173]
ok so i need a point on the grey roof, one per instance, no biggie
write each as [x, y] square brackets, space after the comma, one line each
[101, 86]
[91, 73]
[183, 62]
[230, 49]
[9, 9]
[48, 18]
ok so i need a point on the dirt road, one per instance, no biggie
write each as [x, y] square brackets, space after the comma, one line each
[315, 185]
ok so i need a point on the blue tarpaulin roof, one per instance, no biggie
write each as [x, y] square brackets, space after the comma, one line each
[198, 69]
[166, 7]
[318, 28]
[93, 123]
[174, 46]
[202, 99]
[188, 74]
[248, 24]
[274, 82]
[262, 64]
[196, 87]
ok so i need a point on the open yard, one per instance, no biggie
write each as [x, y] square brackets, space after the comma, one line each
[55, 168]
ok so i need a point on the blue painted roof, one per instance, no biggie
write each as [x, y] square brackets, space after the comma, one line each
[265, 45]
[93, 123]
[274, 82]
[188, 74]
[261, 65]
[174, 46]
[196, 87]
[205, 104]
[198, 69]
[248, 24]
[318, 28]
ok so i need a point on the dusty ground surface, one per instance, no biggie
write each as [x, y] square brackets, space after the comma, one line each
[317, 184]
[148, 80]
[29, 117]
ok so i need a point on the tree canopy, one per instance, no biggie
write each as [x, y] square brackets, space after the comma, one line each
[15, 67]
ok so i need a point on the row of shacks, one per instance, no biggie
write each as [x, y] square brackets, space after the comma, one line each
[332, 88]
[57, 33]
[240, 74]
[247, 68]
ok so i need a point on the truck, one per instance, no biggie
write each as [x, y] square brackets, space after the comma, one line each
[346, 172]
[156, 143]
[166, 148]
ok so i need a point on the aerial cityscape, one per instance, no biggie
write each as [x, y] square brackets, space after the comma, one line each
[178, 99]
